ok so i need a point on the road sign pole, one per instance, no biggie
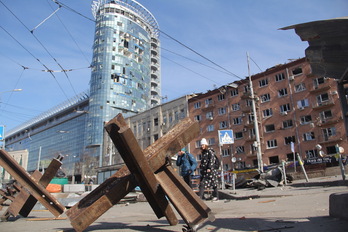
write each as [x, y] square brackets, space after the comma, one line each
[222, 169]
[2, 136]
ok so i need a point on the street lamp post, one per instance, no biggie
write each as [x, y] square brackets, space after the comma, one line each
[256, 126]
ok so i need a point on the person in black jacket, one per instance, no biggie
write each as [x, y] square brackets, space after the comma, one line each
[187, 164]
[209, 174]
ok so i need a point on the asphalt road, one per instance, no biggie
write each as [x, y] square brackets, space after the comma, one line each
[297, 207]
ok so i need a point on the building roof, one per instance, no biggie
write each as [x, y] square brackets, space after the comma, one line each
[328, 46]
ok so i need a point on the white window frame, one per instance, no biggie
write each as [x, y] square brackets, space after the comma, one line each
[308, 136]
[300, 87]
[197, 105]
[301, 104]
[235, 107]
[267, 113]
[279, 77]
[265, 98]
[272, 144]
[283, 92]
[263, 82]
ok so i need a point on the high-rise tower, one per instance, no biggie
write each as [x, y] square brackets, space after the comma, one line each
[125, 67]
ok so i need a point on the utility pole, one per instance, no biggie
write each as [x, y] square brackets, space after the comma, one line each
[257, 143]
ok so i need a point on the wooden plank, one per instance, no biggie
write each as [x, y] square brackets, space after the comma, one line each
[28, 182]
[111, 191]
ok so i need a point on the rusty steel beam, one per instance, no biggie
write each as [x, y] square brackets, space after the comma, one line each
[28, 182]
[190, 207]
[24, 201]
[111, 191]
[133, 156]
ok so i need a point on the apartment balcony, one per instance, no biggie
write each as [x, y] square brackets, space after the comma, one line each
[154, 68]
[154, 74]
[328, 122]
[154, 59]
[314, 88]
[209, 106]
[337, 137]
[154, 52]
[323, 104]
[153, 44]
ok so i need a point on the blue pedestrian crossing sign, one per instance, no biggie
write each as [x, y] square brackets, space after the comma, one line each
[225, 137]
[2, 134]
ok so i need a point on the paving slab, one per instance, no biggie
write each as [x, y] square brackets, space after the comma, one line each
[297, 207]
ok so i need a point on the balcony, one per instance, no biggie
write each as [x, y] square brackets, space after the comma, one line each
[314, 88]
[327, 122]
[323, 104]
[323, 139]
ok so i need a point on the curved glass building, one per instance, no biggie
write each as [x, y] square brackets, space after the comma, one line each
[125, 78]
[125, 67]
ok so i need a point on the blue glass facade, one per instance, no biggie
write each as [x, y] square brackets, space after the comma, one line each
[59, 131]
[125, 79]
[121, 80]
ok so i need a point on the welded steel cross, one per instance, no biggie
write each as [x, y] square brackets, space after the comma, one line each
[151, 170]
[33, 187]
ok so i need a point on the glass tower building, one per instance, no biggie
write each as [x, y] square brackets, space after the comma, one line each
[125, 66]
[125, 78]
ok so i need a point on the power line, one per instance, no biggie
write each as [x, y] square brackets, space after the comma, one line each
[34, 58]
[31, 32]
[191, 70]
[66, 29]
[204, 57]
[72, 10]
[219, 70]
[182, 44]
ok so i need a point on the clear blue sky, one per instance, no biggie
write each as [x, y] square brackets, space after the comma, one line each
[222, 30]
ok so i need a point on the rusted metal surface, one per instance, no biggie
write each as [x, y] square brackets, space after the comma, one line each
[29, 184]
[190, 207]
[122, 182]
[133, 156]
[24, 201]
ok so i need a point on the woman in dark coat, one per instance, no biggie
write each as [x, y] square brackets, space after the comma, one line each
[208, 168]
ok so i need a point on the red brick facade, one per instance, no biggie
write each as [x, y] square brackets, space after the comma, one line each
[292, 105]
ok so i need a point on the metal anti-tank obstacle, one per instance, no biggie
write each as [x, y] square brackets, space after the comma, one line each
[149, 169]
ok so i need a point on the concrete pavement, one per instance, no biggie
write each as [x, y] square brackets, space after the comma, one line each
[299, 206]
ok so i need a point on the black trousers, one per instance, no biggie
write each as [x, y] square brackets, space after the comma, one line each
[187, 179]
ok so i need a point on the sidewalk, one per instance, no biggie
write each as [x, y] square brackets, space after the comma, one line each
[299, 206]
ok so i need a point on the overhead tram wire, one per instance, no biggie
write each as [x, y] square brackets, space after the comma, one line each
[191, 70]
[31, 32]
[216, 69]
[197, 53]
[60, 5]
[35, 59]
[69, 8]
[204, 57]
[255, 64]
